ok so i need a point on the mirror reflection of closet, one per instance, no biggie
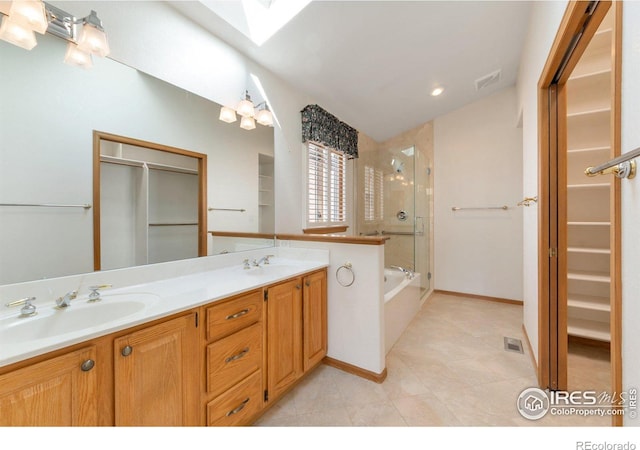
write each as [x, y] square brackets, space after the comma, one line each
[148, 201]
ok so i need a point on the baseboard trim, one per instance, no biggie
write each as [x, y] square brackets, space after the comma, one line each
[355, 370]
[531, 355]
[480, 297]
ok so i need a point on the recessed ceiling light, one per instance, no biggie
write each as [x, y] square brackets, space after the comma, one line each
[437, 91]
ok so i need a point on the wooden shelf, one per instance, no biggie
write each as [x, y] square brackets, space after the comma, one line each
[589, 112]
[589, 224]
[589, 186]
[589, 302]
[589, 149]
[583, 275]
[590, 329]
[595, 251]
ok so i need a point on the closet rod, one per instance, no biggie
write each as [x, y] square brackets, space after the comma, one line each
[227, 209]
[456, 208]
[622, 166]
[171, 224]
[47, 205]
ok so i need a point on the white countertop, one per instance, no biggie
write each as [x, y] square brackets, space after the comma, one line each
[21, 339]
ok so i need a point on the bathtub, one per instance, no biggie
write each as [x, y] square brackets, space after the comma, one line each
[401, 304]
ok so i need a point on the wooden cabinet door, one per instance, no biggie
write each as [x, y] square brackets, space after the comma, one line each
[314, 311]
[284, 336]
[61, 391]
[156, 375]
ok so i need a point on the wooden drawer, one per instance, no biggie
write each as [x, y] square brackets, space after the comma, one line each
[233, 358]
[225, 318]
[238, 405]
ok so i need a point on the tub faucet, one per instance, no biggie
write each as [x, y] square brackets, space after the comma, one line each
[65, 301]
[408, 273]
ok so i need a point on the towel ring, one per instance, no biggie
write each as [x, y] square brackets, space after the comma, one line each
[349, 268]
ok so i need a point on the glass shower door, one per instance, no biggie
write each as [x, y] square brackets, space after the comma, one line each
[399, 218]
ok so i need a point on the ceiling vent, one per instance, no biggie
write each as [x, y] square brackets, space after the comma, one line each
[488, 80]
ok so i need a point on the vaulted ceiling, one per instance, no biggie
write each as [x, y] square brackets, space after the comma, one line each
[374, 64]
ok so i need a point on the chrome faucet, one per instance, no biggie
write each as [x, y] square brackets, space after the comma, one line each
[264, 259]
[408, 273]
[28, 309]
[65, 301]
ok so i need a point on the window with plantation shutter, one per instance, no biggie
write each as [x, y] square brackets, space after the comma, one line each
[326, 186]
[373, 194]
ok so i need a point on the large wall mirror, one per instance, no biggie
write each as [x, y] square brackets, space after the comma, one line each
[48, 113]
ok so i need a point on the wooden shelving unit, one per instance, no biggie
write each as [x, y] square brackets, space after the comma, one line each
[588, 198]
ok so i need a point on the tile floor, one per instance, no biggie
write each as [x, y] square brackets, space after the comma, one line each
[449, 368]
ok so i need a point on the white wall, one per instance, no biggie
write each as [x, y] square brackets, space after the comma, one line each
[630, 202]
[543, 25]
[478, 162]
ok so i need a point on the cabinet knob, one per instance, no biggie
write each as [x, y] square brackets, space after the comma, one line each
[126, 351]
[87, 365]
[307, 283]
[298, 286]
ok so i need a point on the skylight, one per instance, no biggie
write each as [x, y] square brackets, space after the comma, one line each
[256, 19]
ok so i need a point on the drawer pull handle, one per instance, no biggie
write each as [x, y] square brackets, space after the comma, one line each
[237, 356]
[238, 314]
[238, 408]
[87, 365]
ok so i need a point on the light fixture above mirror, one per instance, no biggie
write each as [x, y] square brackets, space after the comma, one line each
[85, 35]
[247, 111]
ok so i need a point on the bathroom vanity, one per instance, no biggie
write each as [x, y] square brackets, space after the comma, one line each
[215, 348]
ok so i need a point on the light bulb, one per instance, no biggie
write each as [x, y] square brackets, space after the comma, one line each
[227, 114]
[264, 117]
[17, 33]
[247, 123]
[76, 57]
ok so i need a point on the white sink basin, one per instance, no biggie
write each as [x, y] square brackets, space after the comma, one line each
[81, 315]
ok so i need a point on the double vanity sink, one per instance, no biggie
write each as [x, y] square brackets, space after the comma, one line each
[120, 308]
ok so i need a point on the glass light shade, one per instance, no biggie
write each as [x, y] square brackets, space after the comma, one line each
[17, 33]
[76, 57]
[227, 114]
[93, 40]
[247, 123]
[264, 117]
[245, 108]
[31, 13]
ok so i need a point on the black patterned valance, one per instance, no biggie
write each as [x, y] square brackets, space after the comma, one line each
[324, 128]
